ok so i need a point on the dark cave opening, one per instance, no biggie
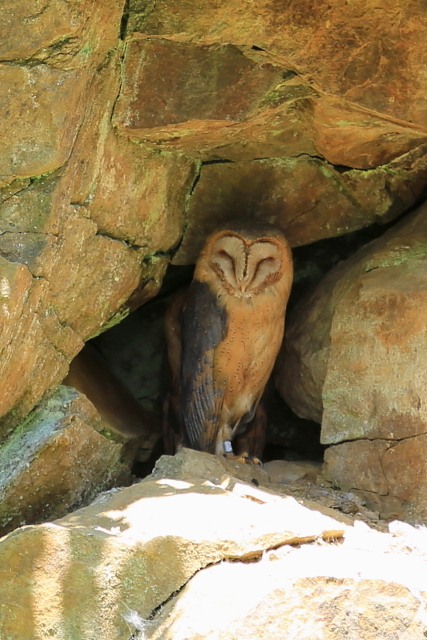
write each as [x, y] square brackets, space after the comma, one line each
[131, 353]
[126, 361]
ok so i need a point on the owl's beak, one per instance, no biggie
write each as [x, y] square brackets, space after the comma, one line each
[244, 284]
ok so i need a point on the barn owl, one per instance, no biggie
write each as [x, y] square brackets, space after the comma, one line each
[223, 336]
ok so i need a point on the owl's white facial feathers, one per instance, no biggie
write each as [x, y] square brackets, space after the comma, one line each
[246, 267]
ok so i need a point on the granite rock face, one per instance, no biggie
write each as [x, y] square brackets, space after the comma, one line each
[267, 139]
[307, 197]
[258, 603]
[209, 556]
[80, 245]
[229, 84]
[135, 547]
[35, 347]
[49, 54]
[354, 360]
[369, 54]
[57, 460]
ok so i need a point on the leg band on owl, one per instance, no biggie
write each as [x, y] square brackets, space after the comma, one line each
[227, 446]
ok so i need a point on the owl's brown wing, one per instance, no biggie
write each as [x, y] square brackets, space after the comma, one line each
[171, 372]
[203, 326]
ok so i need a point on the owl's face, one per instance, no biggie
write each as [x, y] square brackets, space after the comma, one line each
[247, 262]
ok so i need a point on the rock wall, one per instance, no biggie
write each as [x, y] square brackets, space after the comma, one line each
[354, 360]
[131, 129]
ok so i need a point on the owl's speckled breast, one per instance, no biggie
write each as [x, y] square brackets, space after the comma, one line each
[232, 326]
[244, 359]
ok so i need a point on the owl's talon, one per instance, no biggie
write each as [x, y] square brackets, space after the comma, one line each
[243, 457]
[247, 459]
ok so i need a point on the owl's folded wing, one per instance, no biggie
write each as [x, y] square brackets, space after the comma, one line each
[203, 326]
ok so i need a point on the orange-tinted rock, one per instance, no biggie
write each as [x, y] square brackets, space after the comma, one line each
[371, 54]
[67, 263]
[354, 360]
[391, 189]
[56, 461]
[57, 32]
[347, 135]
[83, 168]
[168, 82]
[90, 276]
[235, 103]
[44, 24]
[307, 198]
[140, 196]
[35, 348]
[269, 190]
[131, 193]
[51, 67]
[89, 279]
[82, 281]
[210, 101]
[230, 102]
[389, 475]
[354, 348]
[38, 133]
[33, 206]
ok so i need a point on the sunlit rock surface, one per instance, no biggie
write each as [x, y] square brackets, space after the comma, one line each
[135, 547]
[212, 558]
[269, 600]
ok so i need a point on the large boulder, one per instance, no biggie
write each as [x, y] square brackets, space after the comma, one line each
[60, 458]
[180, 556]
[49, 53]
[262, 602]
[252, 94]
[267, 139]
[370, 54]
[133, 549]
[304, 195]
[35, 347]
[354, 359]
[78, 250]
